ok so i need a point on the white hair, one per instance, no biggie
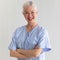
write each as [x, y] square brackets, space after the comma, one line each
[29, 3]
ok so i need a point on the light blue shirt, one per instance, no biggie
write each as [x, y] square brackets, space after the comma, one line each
[28, 40]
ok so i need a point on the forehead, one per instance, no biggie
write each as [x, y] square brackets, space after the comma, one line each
[30, 8]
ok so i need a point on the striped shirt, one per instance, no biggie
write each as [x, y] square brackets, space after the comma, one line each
[28, 40]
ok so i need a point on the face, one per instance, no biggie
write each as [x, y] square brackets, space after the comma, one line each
[30, 13]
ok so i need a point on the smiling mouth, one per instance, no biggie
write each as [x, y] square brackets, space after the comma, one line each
[30, 19]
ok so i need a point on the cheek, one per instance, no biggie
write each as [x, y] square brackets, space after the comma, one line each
[25, 16]
[34, 16]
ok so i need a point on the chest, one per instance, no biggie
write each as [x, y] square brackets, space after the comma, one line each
[27, 40]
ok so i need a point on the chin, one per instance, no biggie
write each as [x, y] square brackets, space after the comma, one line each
[30, 19]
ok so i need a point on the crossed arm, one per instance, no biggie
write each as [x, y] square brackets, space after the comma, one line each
[21, 53]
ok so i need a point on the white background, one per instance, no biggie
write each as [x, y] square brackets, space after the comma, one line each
[11, 17]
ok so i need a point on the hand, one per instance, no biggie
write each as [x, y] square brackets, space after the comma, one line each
[18, 50]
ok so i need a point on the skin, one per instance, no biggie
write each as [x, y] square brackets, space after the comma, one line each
[30, 13]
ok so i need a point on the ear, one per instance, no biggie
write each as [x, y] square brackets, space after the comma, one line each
[37, 12]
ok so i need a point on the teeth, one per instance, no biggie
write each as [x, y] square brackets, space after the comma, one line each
[29, 18]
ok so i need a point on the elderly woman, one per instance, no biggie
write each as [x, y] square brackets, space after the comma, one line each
[31, 41]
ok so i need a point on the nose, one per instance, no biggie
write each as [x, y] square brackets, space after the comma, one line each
[30, 15]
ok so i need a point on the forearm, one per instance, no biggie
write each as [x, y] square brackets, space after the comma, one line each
[26, 52]
[16, 54]
[30, 53]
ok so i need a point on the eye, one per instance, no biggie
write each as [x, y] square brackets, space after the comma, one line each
[26, 13]
[32, 12]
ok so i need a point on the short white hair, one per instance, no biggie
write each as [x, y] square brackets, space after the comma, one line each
[29, 3]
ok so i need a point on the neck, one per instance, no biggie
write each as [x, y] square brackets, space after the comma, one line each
[32, 24]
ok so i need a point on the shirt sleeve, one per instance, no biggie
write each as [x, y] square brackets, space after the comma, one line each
[13, 45]
[44, 41]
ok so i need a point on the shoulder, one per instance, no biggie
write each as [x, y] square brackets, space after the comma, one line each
[42, 30]
[18, 30]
